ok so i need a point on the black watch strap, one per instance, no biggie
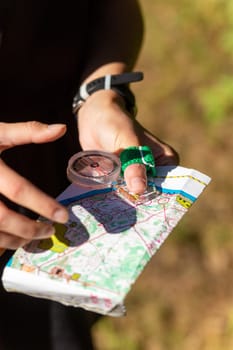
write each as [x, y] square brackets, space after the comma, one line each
[116, 82]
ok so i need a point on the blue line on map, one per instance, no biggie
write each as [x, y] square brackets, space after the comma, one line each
[85, 195]
[169, 191]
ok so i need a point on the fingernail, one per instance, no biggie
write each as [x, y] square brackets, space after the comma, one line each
[60, 215]
[52, 127]
[138, 185]
[46, 231]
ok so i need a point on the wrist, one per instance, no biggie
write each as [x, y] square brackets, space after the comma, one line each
[101, 104]
[119, 83]
[104, 99]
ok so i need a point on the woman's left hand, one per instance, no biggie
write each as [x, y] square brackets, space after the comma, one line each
[104, 124]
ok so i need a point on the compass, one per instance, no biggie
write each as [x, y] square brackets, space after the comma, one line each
[96, 169]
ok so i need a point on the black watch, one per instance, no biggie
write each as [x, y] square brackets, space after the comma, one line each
[117, 82]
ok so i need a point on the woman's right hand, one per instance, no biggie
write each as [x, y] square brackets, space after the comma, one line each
[16, 229]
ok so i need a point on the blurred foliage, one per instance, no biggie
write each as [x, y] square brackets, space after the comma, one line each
[189, 47]
[184, 298]
[217, 100]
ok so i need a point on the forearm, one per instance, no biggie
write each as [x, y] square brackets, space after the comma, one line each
[114, 38]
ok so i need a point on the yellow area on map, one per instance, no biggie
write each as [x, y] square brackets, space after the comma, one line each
[57, 243]
[75, 276]
[184, 201]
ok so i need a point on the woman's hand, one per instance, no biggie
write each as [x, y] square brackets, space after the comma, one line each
[104, 124]
[16, 229]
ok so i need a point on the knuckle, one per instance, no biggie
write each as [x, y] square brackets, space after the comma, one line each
[32, 125]
[37, 131]
[32, 128]
[16, 191]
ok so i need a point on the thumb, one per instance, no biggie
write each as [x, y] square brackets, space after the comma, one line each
[134, 174]
[13, 134]
[135, 178]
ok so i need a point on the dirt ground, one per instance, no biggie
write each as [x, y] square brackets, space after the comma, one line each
[184, 298]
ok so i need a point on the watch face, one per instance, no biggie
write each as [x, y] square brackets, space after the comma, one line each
[93, 168]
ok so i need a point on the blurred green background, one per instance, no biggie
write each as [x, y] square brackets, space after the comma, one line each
[184, 298]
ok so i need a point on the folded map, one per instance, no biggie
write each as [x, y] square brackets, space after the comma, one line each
[94, 259]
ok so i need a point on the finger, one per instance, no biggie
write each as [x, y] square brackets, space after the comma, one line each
[163, 153]
[13, 134]
[22, 192]
[135, 178]
[9, 241]
[21, 226]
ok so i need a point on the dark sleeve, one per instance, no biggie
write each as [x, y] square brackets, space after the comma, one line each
[115, 34]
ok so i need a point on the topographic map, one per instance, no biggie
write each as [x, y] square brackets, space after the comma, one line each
[94, 259]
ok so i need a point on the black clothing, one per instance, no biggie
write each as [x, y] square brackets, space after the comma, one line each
[42, 53]
[41, 59]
